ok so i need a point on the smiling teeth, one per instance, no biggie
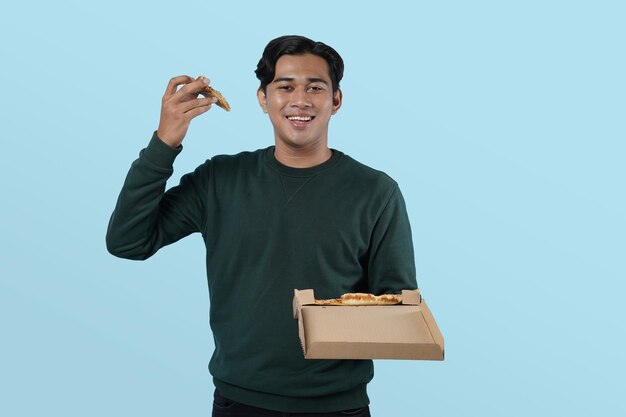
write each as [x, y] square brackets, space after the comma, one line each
[300, 118]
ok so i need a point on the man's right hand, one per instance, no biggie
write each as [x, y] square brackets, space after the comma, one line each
[179, 107]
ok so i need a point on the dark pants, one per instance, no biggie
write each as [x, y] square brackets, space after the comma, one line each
[223, 407]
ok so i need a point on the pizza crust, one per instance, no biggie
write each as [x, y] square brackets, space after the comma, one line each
[329, 302]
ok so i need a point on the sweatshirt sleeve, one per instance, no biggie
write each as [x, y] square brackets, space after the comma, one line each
[146, 218]
[391, 267]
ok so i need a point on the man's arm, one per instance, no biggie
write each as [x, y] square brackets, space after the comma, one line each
[147, 218]
[391, 266]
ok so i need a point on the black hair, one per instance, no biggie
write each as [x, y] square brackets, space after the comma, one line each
[297, 45]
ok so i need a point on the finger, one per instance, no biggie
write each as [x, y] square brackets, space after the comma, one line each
[191, 104]
[175, 82]
[197, 111]
[192, 89]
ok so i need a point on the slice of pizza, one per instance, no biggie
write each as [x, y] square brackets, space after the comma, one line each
[362, 299]
[212, 92]
[221, 100]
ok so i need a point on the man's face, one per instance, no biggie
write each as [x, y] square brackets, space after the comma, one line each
[300, 101]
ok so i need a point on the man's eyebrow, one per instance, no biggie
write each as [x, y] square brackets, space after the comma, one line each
[317, 80]
[310, 79]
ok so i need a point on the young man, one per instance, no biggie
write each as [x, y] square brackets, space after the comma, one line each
[294, 215]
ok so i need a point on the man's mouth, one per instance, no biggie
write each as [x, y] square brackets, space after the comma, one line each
[301, 118]
[300, 122]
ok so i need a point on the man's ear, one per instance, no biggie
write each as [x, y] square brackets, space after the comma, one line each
[262, 99]
[337, 98]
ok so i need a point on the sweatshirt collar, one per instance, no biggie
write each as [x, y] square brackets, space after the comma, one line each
[301, 172]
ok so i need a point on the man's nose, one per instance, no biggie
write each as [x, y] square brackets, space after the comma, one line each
[300, 98]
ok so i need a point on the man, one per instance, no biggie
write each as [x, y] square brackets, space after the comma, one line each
[294, 215]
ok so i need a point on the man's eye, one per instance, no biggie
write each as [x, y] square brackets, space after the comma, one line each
[315, 88]
[284, 87]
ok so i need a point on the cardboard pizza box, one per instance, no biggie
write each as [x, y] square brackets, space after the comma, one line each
[402, 331]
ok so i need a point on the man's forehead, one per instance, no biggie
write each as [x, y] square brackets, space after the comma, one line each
[301, 68]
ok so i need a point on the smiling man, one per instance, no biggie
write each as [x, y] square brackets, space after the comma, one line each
[296, 214]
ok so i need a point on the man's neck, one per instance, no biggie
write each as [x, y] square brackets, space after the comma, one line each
[302, 157]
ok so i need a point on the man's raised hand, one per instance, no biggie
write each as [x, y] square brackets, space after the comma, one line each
[179, 107]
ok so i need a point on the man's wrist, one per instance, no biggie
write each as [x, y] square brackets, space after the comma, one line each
[171, 144]
[160, 153]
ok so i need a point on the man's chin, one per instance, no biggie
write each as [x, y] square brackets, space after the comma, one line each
[300, 142]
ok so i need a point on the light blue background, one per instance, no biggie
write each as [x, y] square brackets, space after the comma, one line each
[503, 123]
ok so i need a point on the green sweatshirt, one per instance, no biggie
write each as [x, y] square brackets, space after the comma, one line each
[268, 228]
